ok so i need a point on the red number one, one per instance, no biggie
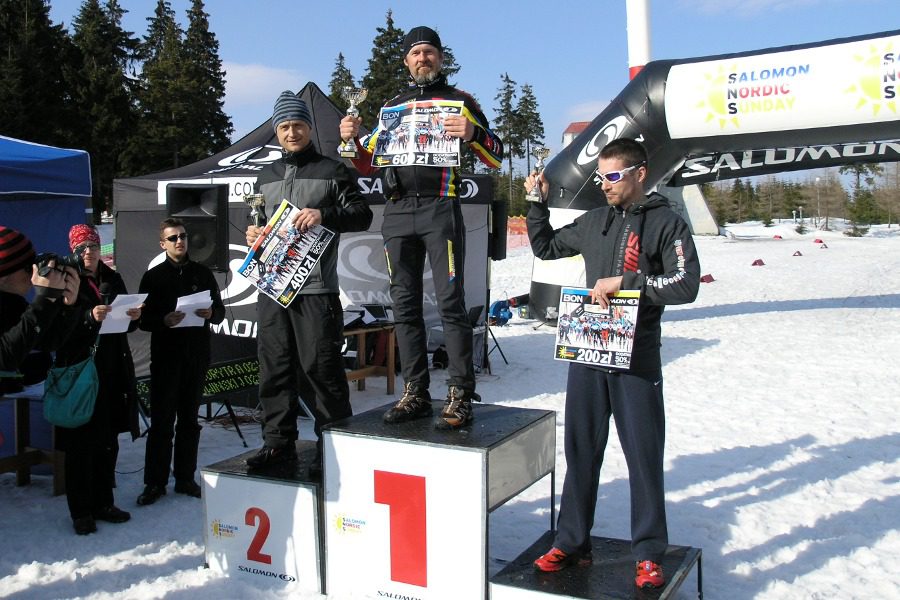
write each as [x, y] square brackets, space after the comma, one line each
[253, 551]
[405, 494]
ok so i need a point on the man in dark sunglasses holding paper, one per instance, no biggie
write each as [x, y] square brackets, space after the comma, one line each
[635, 243]
[179, 358]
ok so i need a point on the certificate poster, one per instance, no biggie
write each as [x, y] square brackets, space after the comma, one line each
[283, 257]
[413, 134]
[590, 334]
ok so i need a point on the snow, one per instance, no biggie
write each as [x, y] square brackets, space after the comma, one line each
[782, 460]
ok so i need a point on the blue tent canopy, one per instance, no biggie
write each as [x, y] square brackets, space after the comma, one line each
[43, 191]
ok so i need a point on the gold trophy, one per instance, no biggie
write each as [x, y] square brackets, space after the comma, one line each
[257, 204]
[354, 96]
[540, 153]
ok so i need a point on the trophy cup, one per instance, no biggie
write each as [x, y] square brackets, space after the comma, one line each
[354, 96]
[257, 204]
[540, 153]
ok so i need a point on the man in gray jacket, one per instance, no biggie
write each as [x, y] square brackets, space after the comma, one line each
[303, 341]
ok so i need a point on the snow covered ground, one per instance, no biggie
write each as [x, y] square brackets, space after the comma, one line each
[783, 445]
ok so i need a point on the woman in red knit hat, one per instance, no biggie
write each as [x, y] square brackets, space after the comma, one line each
[92, 449]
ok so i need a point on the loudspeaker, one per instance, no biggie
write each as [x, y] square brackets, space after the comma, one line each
[203, 207]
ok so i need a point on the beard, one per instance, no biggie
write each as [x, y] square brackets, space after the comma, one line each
[426, 78]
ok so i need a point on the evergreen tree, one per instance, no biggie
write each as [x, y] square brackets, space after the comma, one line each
[449, 67]
[529, 123]
[506, 125]
[100, 90]
[341, 77]
[386, 76]
[207, 128]
[163, 97]
[34, 100]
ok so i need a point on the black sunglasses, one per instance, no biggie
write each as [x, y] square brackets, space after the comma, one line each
[173, 238]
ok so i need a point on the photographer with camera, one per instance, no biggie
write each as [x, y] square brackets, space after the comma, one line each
[24, 326]
[92, 449]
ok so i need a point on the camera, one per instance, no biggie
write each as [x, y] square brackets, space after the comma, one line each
[69, 260]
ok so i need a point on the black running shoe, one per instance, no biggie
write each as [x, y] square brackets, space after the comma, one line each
[268, 456]
[457, 411]
[415, 403]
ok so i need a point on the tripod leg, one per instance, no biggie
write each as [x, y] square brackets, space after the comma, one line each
[497, 345]
[234, 421]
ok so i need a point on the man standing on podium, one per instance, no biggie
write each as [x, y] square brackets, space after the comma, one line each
[636, 243]
[301, 344]
[422, 215]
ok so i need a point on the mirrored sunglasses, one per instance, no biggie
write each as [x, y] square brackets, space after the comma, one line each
[615, 176]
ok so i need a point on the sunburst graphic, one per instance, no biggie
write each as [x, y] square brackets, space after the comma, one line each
[870, 86]
[715, 89]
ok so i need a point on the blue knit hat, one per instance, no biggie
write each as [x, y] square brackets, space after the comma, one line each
[288, 107]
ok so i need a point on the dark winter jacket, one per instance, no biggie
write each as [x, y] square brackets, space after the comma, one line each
[164, 284]
[413, 180]
[117, 399]
[24, 327]
[308, 179]
[649, 245]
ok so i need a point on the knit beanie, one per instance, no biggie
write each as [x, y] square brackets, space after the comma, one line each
[16, 251]
[421, 35]
[81, 234]
[288, 107]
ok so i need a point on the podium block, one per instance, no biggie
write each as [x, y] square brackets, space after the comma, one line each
[407, 506]
[264, 525]
[611, 576]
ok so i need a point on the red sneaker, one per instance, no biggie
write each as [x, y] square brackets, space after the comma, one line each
[557, 560]
[649, 575]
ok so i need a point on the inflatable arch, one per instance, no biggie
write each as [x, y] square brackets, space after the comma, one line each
[733, 115]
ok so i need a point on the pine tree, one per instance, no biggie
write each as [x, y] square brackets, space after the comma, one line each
[208, 129]
[449, 67]
[100, 90]
[162, 96]
[341, 77]
[34, 100]
[529, 122]
[505, 125]
[386, 75]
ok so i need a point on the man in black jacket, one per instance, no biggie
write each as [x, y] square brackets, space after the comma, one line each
[303, 341]
[636, 243]
[422, 215]
[179, 358]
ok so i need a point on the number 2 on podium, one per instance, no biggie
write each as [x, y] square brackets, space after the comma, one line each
[254, 552]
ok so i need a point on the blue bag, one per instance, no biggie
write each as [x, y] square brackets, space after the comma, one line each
[70, 393]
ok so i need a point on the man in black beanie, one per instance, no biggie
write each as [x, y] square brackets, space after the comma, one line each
[303, 341]
[422, 215]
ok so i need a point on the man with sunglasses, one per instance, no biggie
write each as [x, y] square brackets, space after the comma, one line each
[635, 243]
[179, 358]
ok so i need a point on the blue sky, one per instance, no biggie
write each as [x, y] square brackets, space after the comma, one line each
[573, 53]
